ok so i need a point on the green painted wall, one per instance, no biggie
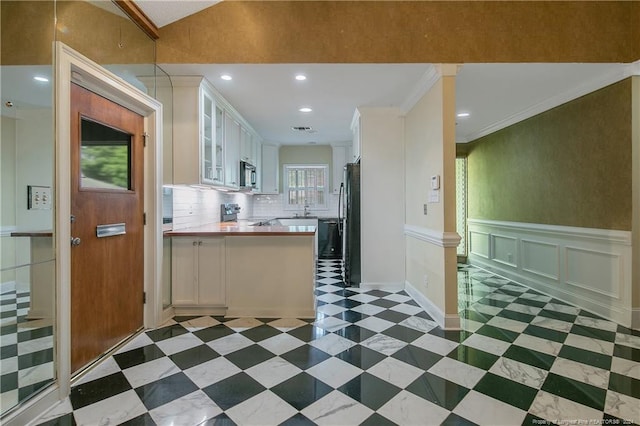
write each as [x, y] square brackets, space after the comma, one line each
[567, 166]
[306, 154]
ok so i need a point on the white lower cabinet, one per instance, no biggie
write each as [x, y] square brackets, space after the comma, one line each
[198, 276]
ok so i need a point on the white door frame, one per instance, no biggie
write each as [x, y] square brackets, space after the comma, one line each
[71, 66]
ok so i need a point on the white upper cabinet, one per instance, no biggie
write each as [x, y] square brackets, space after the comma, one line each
[232, 152]
[357, 137]
[270, 168]
[340, 158]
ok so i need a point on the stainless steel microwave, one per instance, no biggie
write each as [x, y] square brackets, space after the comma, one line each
[247, 175]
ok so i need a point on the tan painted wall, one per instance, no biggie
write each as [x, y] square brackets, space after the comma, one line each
[7, 200]
[568, 166]
[404, 31]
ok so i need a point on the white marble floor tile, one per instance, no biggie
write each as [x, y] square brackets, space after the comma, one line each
[332, 344]
[9, 399]
[397, 297]
[524, 309]
[485, 309]
[384, 344]
[329, 288]
[286, 324]
[211, 372]
[487, 344]
[111, 411]
[484, 410]
[35, 374]
[622, 406]
[397, 372]
[508, 324]
[581, 372]
[63, 408]
[375, 324]
[420, 324]
[329, 297]
[151, 371]
[281, 343]
[241, 324]
[406, 309]
[331, 324]
[337, 408]
[191, 409]
[458, 372]
[9, 339]
[514, 287]
[628, 340]
[231, 343]
[200, 323]
[326, 274]
[362, 298]
[35, 345]
[179, 343]
[470, 325]
[263, 409]
[329, 280]
[538, 297]
[330, 309]
[552, 324]
[334, 372]
[538, 344]
[519, 372]
[555, 408]
[105, 368]
[9, 365]
[597, 323]
[501, 297]
[408, 409]
[368, 309]
[559, 307]
[435, 344]
[273, 371]
[625, 367]
[590, 344]
[141, 340]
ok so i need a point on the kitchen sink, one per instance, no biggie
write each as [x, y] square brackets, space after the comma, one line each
[297, 221]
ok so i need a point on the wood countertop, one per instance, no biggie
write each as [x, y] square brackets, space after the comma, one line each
[241, 229]
[43, 233]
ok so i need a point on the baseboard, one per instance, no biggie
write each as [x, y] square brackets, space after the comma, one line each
[381, 286]
[199, 310]
[446, 322]
[270, 313]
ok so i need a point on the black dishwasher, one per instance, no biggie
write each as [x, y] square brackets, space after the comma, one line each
[329, 239]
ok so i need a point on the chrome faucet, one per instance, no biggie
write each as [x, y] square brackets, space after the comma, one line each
[306, 210]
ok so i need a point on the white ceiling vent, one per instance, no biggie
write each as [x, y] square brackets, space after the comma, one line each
[305, 129]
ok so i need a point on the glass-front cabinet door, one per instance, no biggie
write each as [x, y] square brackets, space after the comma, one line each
[219, 145]
[208, 155]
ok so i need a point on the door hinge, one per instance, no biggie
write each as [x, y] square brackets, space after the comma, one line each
[144, 218]
[144, 297]
[145, 136]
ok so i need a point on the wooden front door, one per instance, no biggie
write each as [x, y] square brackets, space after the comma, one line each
[107, 270]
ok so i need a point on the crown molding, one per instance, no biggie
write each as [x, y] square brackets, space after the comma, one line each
[426, 82]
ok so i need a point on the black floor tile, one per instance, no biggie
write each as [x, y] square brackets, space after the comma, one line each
[347, 303]
[8, 351]
[498, 333]
[8, 382]
[516, 316]
[594, 333]
[193, 356]
[184, 318]
[370, 390]
[36, 333]
[361, 357]
[472, 356]
[377, 420]
[378, 293]
[249, 356]
[233, 390]
[35, 358]
[417, 357]
[494, 302]
[475, 316]
[138, 356]
[576, 391]
[586, 357]
[624, 384]
[545, 333]
[166, 332]
[531, 420]
[530, 302]
[142, 420]
[626, 352]
[455, 420]
[506, 390]
[530, 357]
[8, 329]
[629, 331]
[25, 392]
[585, 313]
[402, 333]
[212, 333]
[457, 336]
[297, 420]
[220, 420]
[392, 316]
[438, 390]
[165, 390]
[350, 316]
[385, 303]
[558, 315]
[355, 333]
[262, 332]
[307, 333]
[305, 356]
[97, 390]
[66, 420]
[509, 292]
[301, 390]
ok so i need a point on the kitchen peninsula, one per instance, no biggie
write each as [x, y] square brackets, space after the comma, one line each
[238, 270]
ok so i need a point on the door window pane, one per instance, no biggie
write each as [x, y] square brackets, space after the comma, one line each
[105, 157]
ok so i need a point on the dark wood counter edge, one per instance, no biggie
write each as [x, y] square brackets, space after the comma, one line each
[32, 234]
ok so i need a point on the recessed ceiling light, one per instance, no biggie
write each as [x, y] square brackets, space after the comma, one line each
[301, 77]
[463, 114]
[226, 77]
[305, 109]
[42, 79]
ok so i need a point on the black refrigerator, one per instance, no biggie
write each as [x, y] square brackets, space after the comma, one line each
[351, 229]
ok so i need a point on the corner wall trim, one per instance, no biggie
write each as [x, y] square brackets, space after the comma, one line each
[446, 322]
[426, 82]
[432, 236]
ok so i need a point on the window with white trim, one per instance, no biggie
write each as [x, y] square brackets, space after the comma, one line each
[306, 185]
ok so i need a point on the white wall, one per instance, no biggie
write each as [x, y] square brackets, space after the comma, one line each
[382, 196]
[7, 202]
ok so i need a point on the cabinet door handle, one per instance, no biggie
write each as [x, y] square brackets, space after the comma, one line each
[195, 243]
[199, 243]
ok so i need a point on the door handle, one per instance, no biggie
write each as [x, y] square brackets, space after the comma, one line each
[75, 241]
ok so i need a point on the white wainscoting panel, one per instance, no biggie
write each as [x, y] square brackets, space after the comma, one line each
[590, 268]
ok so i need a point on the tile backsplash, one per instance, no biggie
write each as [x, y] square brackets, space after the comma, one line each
[201, 206]
[269, 206]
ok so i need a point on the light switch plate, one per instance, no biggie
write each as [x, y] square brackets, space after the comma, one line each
[38, 197]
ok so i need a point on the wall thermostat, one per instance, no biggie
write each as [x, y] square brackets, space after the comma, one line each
[435, 182]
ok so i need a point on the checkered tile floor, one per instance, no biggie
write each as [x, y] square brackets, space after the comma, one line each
[374, 358]
[26, 350]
